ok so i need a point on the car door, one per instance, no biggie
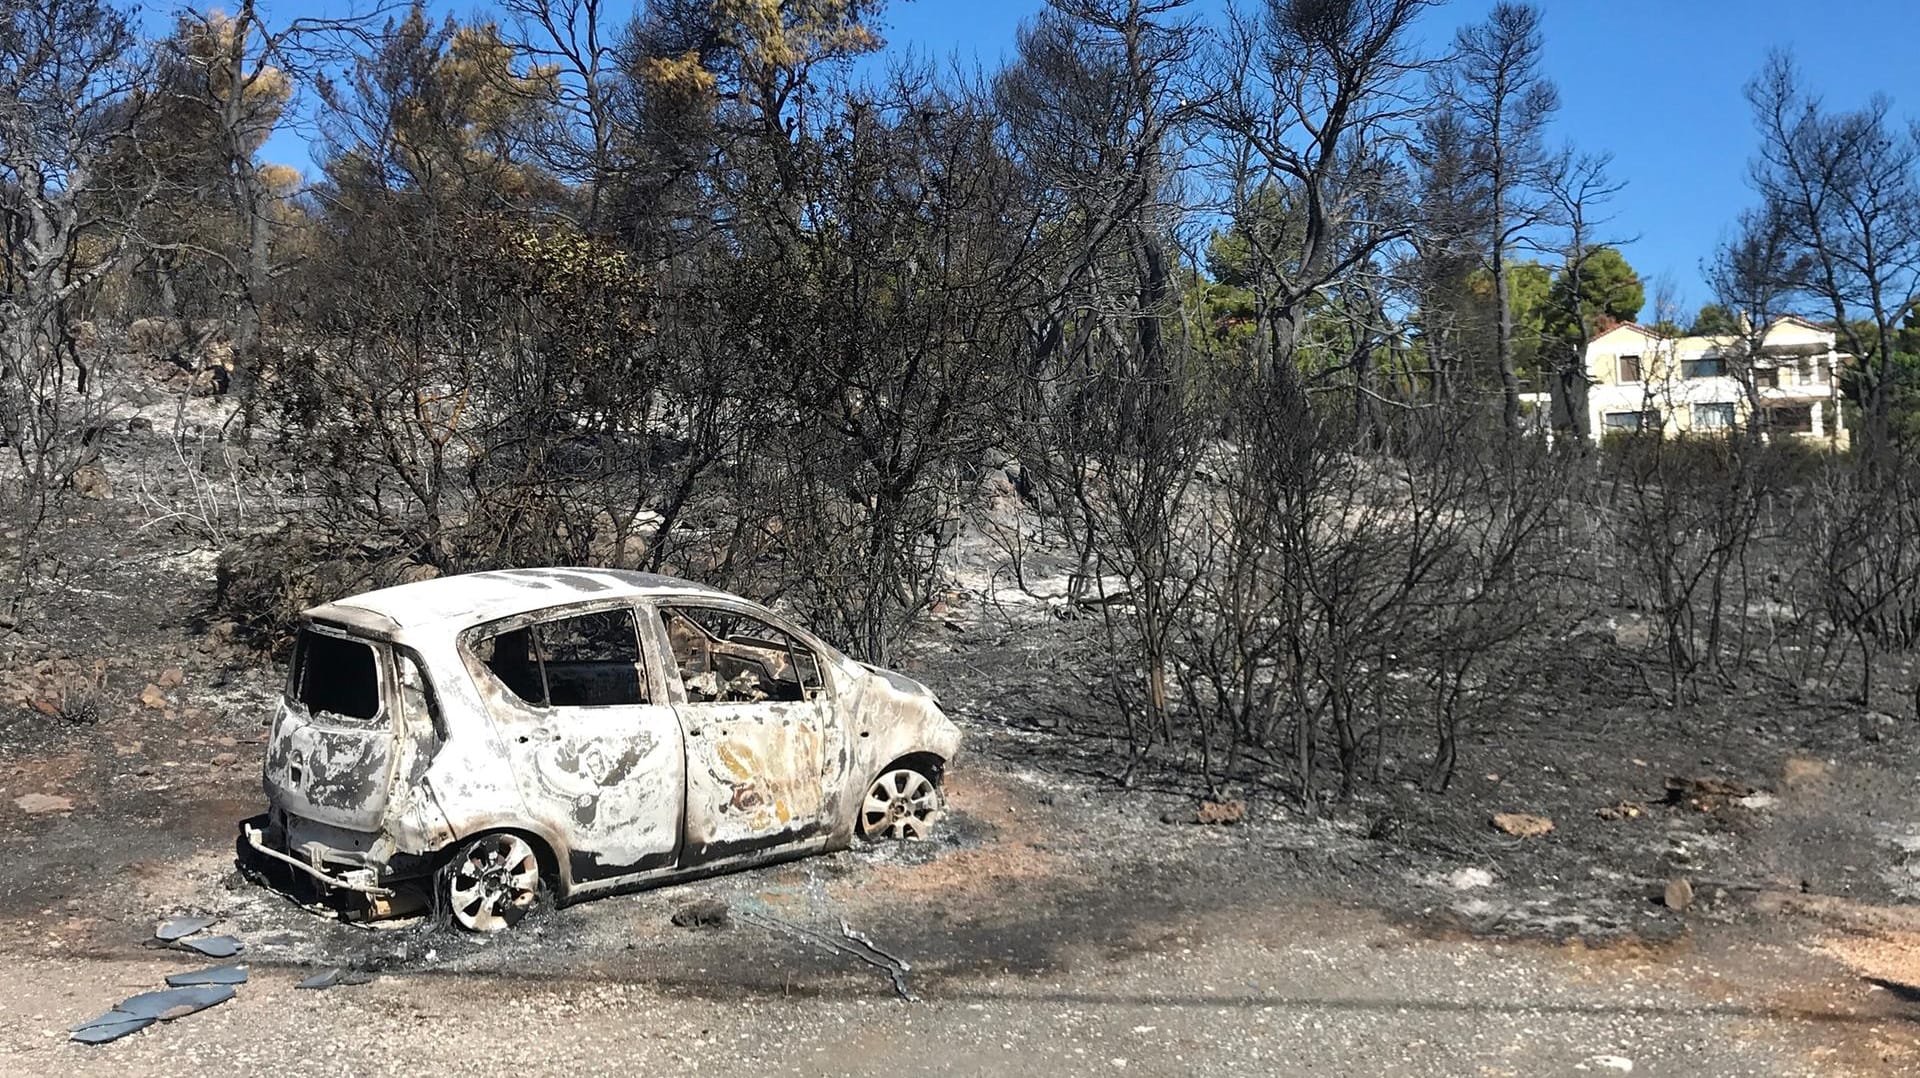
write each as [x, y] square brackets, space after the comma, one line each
[596, 751]
[764, 754]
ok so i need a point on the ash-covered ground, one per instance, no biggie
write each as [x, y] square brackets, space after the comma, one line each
[1749, 917]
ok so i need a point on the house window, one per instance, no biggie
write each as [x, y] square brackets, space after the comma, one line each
[1791, 419]
[1704, 367]
[1766, 377]
[1629, 369]
[1624, 420]
[1712, 417]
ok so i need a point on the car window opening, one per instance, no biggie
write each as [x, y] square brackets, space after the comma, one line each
[730, 658]
[336, 676]
[588, 660]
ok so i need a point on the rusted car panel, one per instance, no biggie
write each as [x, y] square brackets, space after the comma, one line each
[623, 728]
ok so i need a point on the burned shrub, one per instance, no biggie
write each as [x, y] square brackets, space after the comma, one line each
[263, 581]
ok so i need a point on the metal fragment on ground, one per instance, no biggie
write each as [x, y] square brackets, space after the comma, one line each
[215, 946]
[180, 927]
[135, 1013]
[211, 975]
[854, 945]
[167, 1004]
[326, 978]
[109, 1027]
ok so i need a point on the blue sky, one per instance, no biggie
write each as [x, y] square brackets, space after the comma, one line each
[1655, 82]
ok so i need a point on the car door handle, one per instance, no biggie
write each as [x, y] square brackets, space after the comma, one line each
[540, 733]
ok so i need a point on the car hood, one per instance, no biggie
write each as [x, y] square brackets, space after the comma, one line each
[900, 681]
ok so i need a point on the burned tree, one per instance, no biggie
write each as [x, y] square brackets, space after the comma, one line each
[69, 73]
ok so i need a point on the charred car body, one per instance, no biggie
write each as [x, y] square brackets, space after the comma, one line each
[489, 737]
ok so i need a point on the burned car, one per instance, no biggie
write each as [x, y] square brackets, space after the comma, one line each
[487, 739]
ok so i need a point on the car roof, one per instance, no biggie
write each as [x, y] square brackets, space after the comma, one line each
[468, 599]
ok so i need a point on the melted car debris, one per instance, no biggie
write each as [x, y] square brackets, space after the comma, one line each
[851, 943]
[235, 974]
[180, 927]
[214, 946]
[136, 1013]
[336, 975]
[109, 1027]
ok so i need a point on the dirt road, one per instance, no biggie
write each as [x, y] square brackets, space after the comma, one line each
[1050, 933]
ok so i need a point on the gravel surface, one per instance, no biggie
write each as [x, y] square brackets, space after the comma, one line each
[1037, 944]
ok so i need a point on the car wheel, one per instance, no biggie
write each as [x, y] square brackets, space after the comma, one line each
[491, 882]
[902, 803]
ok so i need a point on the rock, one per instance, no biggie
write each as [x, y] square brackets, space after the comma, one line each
[170, 678]
[36, 804]
[1705, 793]
[1222, 813]
[153, 696]
[1632, 635]
[1620, 1064]
[223, 759]
[708, 912]
[1468, 879]
[1621, 810]
[139, 425]
[1522, 824]
[1878, 726]
[92, 481]
[1678, 894]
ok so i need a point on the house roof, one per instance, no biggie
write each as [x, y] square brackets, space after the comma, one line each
[468, 599]
[1634, 326]
[1655, 335]
[1807, 322]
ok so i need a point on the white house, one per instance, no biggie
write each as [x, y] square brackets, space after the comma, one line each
[1640, 380]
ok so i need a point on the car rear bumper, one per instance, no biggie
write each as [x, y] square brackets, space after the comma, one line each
[361, 880]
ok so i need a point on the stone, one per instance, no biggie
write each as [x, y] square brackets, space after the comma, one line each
[1468, 879]
[170, 678]
[92, 481]
[1221, 813]
[1705, 793]
[1632, 634]
[37, 804]
[1522, 824]
[1678, 894]
[1621, 810]
[706, 912]
[1878, 726]
[153, 697]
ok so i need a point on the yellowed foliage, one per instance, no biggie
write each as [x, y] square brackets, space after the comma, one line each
[208, 43]
[283, 179]
[786, 34]
[681, 76]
